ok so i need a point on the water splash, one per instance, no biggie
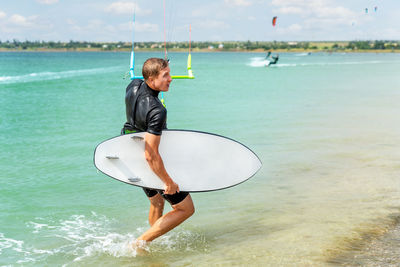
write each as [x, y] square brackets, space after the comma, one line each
[82, 238]
[257, 62]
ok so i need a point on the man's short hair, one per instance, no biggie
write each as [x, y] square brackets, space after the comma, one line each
[153, 66]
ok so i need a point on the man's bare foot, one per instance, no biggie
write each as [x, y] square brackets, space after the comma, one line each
[140, 247]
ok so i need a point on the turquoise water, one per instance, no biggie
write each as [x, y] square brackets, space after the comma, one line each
[326, 127]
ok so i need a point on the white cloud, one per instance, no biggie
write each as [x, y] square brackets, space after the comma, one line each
[122, 8]
[213, 24]
[299, 2]
[22, 27]
[92, 25]
[295, 28]
[95, 24]
[390, 34]
[47, 2]
[2, 15]
[311, 19]
[145, 27]
[70, 21]
[110, 28]
[200, 12]
[289, 10]
[238, 2]
[21, 21]
[107, 31]
[332, 12]
[217, 10]
[315, 13]
[317, 8]
[292, 30]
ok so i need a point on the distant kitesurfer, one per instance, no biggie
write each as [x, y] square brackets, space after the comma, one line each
[273, 60]
[145, 112]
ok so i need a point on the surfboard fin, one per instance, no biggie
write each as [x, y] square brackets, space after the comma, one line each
[134, 179]
[112, 157]
[137, 138]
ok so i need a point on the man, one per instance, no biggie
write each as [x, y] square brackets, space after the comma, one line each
[145, 112]
[273, 61]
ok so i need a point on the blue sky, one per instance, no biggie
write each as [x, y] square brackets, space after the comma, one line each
[210, 20]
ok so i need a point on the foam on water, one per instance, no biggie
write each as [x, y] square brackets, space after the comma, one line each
[258, 62]
[81, 238]
[6, 243]
[47, 75]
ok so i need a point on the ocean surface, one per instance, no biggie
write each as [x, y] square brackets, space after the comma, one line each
[326, 127]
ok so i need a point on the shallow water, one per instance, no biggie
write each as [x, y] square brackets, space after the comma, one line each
[325, 126]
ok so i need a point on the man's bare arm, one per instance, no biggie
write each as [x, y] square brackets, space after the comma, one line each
[156, 163]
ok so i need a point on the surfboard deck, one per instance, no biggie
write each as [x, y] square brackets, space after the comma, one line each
[196, 161]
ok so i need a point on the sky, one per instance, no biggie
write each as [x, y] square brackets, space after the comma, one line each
[210, 20]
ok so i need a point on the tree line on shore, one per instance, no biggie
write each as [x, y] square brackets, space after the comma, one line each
[217, 46]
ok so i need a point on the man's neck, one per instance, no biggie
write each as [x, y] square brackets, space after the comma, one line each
[154, 91]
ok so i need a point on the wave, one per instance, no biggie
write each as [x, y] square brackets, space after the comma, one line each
[45, 76]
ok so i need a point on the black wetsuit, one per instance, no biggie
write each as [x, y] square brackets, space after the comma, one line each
[146, 113]
[275, 60]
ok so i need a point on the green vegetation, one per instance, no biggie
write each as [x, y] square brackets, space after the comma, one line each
[71, 45]
[380, 45]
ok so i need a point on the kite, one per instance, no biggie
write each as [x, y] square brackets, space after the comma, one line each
[274, 21]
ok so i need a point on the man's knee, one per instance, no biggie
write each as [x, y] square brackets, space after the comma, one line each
[191, 211]
[186, 206]
[157, 201]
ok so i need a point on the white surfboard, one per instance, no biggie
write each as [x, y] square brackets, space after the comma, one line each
[196, 161]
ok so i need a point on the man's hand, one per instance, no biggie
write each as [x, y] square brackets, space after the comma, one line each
[156, 163]
[171, 188]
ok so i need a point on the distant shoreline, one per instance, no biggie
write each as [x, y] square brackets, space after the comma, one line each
[377, 46]
[206, 50]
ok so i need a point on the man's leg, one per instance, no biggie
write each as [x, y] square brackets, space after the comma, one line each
[156, 208]
[179, 213]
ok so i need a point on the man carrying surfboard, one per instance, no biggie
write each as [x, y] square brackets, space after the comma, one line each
[145, 112]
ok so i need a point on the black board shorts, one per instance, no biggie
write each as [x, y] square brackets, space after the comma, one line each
[172, 199]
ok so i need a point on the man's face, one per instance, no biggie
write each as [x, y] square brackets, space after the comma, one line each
[162, 81]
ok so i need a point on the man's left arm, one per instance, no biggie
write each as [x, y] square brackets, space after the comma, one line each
[156, 163]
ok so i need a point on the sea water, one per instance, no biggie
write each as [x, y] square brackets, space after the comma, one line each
[326, 127]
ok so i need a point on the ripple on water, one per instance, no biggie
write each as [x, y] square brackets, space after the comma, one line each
[375, 247]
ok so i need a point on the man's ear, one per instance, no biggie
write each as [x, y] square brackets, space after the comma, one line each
[150, 81]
